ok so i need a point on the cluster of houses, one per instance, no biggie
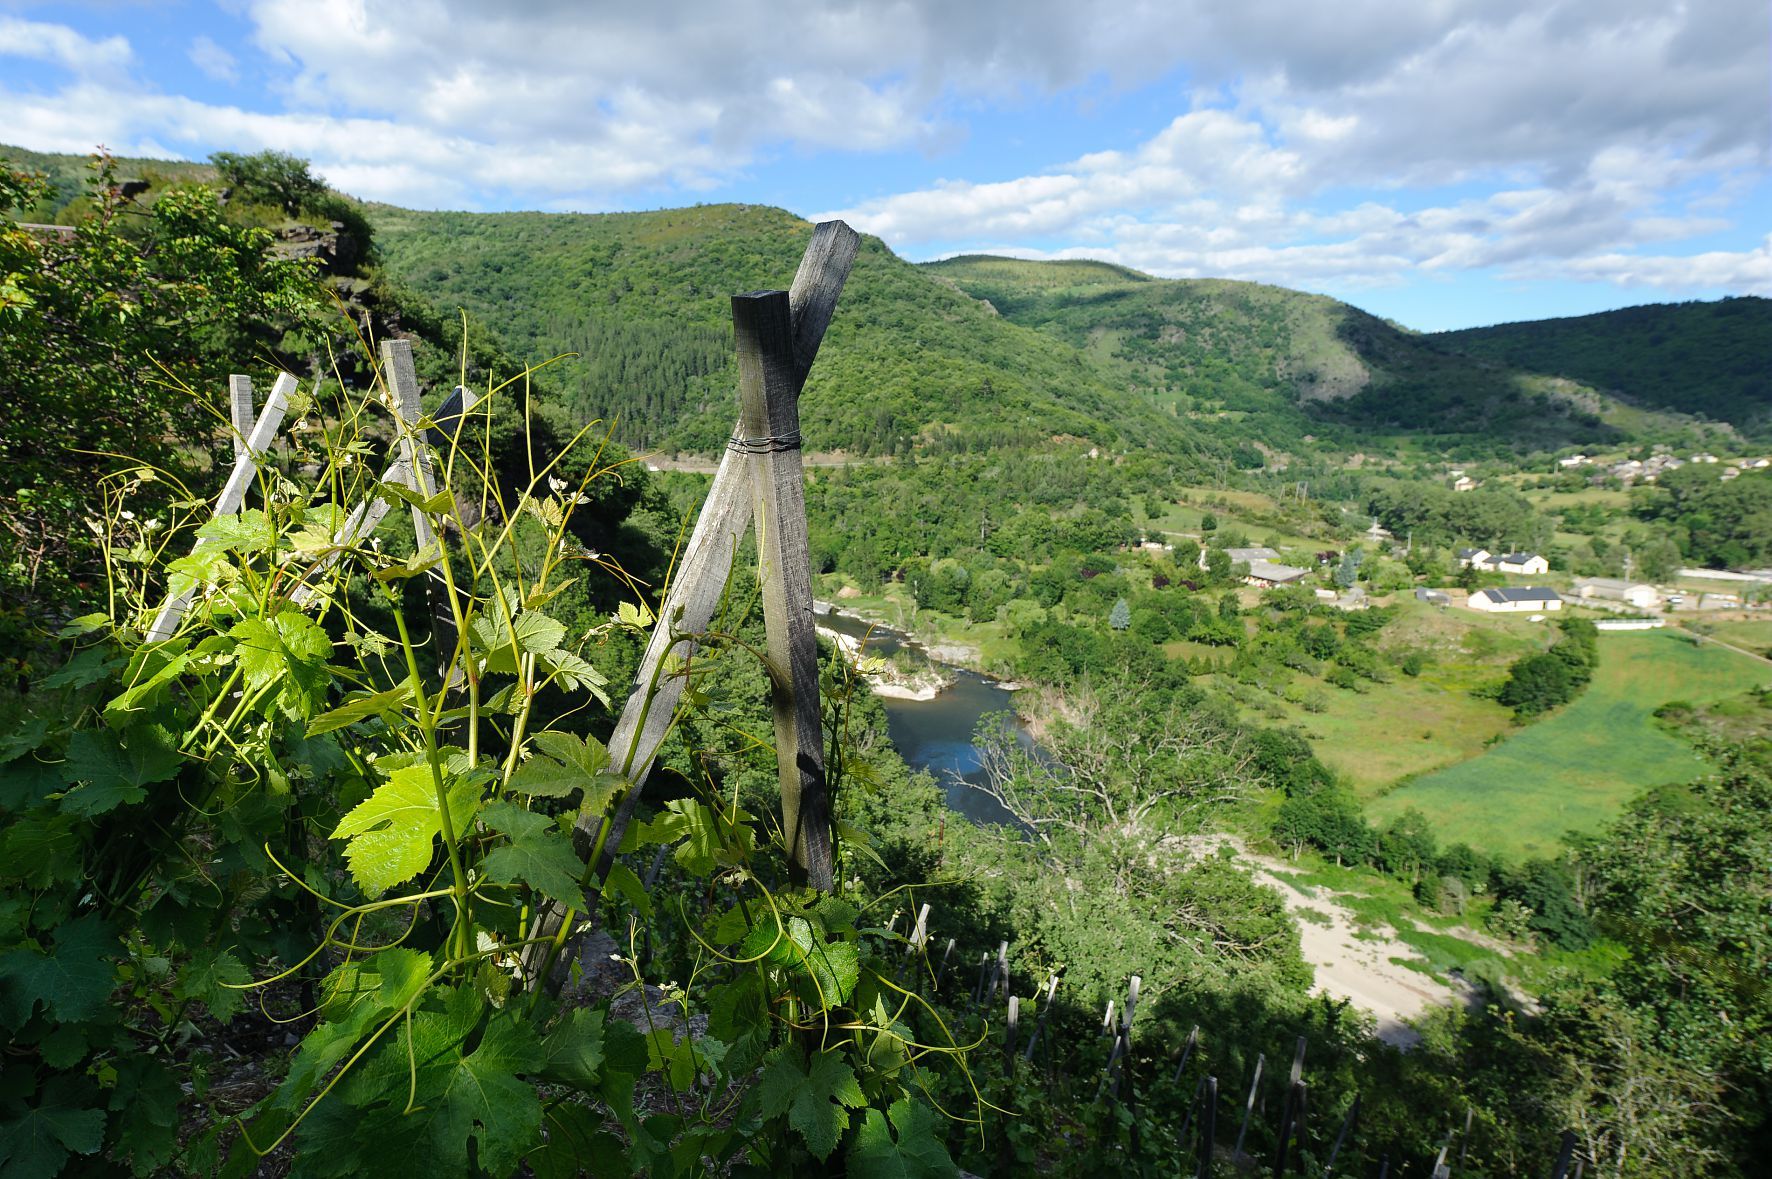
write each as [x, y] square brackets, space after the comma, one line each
[1649, 469]
[1521, 563]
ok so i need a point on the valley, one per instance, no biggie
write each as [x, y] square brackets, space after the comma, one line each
[1234, 638]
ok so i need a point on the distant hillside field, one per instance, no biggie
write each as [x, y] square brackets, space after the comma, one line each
[1577, 769]
[1288, 362]
[643, 298]
[1713, 359]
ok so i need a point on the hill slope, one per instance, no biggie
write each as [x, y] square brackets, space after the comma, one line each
[1287, 362]
[1702, 358]
[642, 297]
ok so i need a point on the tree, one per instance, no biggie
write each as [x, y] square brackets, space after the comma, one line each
[115, 340]
[1120, 617]
[1537, 683]
[1208, 522]
[269, 178]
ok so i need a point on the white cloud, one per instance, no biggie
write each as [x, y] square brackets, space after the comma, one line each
[215, 62]
[1367, 141]
[60, 45]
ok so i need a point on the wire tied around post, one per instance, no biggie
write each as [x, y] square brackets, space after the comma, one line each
[768, 444]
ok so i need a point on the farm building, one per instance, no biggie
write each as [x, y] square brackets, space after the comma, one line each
[1246, 555]
[1267, 574]
[1520, 563]
[1516, 599]
[1617, 589]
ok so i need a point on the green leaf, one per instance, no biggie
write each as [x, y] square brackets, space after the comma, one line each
[391, 831]
[36, 1144]
[573, 1050]
[915, 1153]
[72, 983]
[437, 505]
[531, 632]
[84, 625]
[816, 1100]
[360, 708]
[249, 532]
[109, 770]
[825, 972]
[624, 883]
[213, 977]
[538, 855]
[565, 763]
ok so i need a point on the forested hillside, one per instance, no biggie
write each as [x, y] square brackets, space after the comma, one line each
[1697, 358]
[1286, 363]
[641, 297]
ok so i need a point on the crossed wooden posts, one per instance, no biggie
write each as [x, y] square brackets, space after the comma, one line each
[760, 478]
[254, 430]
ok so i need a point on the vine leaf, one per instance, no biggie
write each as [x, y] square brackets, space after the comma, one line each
[213, 977]
[109, 770]
[816, 1099]
[390, 832]
[531, 633]
[916, 1152]
[565, 763]
[359, 708]
[826, 971]
[289, 644]
[36, 1144]
[248, 532]
[72, 983]
[574, 1049]
[538, 855]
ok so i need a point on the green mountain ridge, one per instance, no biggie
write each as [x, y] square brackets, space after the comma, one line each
[642, 299]
[1292, 365]
[1703, 358]
[975, 351]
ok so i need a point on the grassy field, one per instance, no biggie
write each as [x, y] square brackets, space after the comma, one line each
[1575, 770]
[1408, 726]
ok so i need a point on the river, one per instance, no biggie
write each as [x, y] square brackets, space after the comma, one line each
[936, 735]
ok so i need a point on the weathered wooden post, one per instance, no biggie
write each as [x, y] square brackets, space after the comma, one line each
[233, 492]
[1045, 1011]
[941, 970]
[1288, 1111]
[1014, 1025]
[1187, 1050]
[769, 438]
[1348, 1122]
[241, 411]
[697, 586]
[1208, 1128]
[1249, 1105]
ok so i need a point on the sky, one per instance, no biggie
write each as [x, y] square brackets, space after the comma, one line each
[1443, 163]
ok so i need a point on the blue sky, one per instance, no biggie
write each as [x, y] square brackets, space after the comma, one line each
[1444, 163]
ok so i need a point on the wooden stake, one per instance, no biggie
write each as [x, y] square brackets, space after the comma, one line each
[769, 424]
[1208, 1128]
[1187, 1050]
[696, 589]
[240, 411]
[1249, 1106]
[233, 494]
[1348, 1122]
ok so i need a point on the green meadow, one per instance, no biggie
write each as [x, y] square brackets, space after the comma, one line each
[1576, 769]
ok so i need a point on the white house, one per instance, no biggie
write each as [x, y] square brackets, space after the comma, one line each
[1617, 589]
[1520, 563]
[1473, 558]
[1464, 483]
[1573, 460]
[1525, 599]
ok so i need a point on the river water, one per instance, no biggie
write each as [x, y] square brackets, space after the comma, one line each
[936, 735]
